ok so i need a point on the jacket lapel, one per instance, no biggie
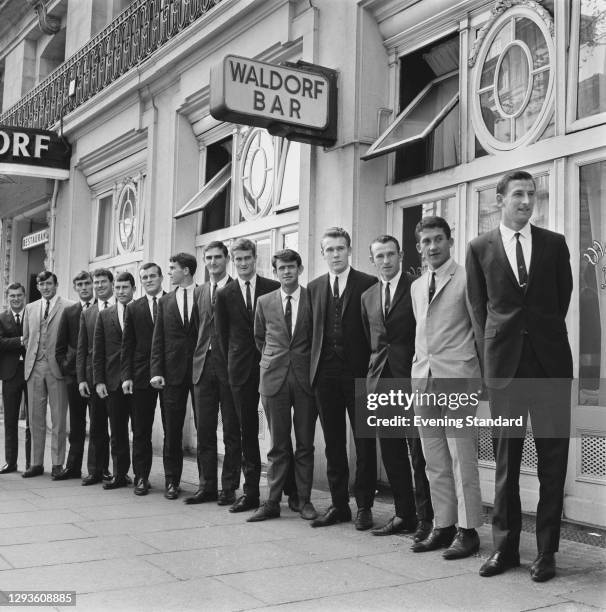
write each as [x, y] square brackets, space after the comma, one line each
[348, 290]
[501, 257]
[301, 312]
[53, 311]
[116, 320]
[451, 272]
[399, 292]
[538, 245]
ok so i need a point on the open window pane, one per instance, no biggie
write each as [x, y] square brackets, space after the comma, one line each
[207, 194]
[104, 226]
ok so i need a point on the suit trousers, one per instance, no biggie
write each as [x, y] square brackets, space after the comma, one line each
[12, 391]
[77, 428]
[119, 410]
[549, 408]
[281, 420]
[175, 406]
[98, 443]
[142, 422]
[42, 389]
[335, 396]
[213, 393]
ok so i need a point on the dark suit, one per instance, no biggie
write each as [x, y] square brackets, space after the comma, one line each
[339, 356]
[284, 383]
[212, 392]
[106, 370]
[13, 386]
[172, 351]
[134, 364]
[392, 345]
[523, 335]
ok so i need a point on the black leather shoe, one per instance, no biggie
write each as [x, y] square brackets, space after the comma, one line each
[394, 525]
[91, 479]
[440, 537]
[172, 491]
[107, 475]
[423, 531]
[35, 470]
[293, 502]
[363, 519]
[67, 473]
[199, 497]
[115, 483]
[56, 470]
[543, 567]
[244, 503]
[267, 510]
[499, 562]
[465, 544]
[8, 468]
[332, 516]
[226, 498]
[142, 487]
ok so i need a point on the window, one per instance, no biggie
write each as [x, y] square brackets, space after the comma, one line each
[127, 218]
[104, 226]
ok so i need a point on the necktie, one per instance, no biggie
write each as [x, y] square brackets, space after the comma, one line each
[46, 309]
[387, 299]
[154, 308]
[335, 289]
[105, 304]
[86, 305]
[432, 287]
[18, 322]
[288, 315]
[185, 314]
[248, 299]
[213, 297]
[522, 272]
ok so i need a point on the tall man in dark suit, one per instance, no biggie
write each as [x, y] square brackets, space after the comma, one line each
[172, 350]
[107, 348]
[283, 330]
[12, 355]
[65, 353]
[139, 321]
[519, 284]
[339, 355]
[389, 325]
[212, 391]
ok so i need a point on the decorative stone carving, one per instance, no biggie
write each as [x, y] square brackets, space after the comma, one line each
[48, 24]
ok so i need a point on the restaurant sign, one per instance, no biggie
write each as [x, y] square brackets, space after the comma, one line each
[29, 241]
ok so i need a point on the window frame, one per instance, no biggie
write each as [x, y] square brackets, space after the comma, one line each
[94, 242]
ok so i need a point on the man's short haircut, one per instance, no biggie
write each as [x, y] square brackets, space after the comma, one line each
[244, 244]
[515, 175]
[81, 276]
[150, 264]
[432, 223]
[15, 287]
[335, 232]
[216, 244]
[384, 239]
[286, 255]
[104, 272]
[45, 275]
[185, 260]
[126, 277]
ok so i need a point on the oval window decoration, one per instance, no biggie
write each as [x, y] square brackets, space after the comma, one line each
[256, 182]
[127, 218]
[513, 78]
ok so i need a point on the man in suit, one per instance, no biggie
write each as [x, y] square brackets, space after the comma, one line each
[139, 322]
[12, 356]
[172, 351]
[212, 392]
[283, 330]
[107, 347]
[389, 325]
[446, 361]
[339, 355]
[98, 443]
[45, 382]
[234, 320]
[65, 353]
[519, 284]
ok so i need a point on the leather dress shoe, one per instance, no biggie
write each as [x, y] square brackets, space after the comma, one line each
[172, 491]
[465, 544]
[363, 519]
[67, 473]
[293, 502]
[308, 512]
[499, 562]
[91, 479]
[396, 524]
[107, 475]
[142, 487]
[440, 537]
[115, 483]
[56, 470]
[423, 530]
[267, 510]
[34, 470]
[8, 468]
[543, 568]
[332, 516]
[244, 503]
[226, 498]
[200, 497]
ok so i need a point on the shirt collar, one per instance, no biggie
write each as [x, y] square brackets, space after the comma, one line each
[253, 282]
[17, 313]
[52, 301]
[342, 276]
[442, 271]
[393, 283]
[221, 283]
[150, 298]
[294, 295]
[83, 303]
[507, 234]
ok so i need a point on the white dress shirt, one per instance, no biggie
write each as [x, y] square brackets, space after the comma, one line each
[441, 273]
[150, 302]
[121, 313]
[110, 302]
[342, 276]
[53, 301]
[393, 285]
[20, 314]
[509, 242]
[294, 305]
[253, 284]
[190, 300]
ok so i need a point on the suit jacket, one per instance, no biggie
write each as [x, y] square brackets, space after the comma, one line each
[107, 346]
[278, 351]
[504, 312]
[172, 343]
[391, 339]
[10, 345]
[67, 340]
[206, 330]
[31, 334]
[444, 340]
[236, 328]
[356, 348]
[84, 350]
[136, 343]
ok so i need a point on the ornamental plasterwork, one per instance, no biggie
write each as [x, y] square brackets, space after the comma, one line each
[48, 24]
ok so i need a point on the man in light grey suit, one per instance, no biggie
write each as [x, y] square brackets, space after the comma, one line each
[45, 382]
[446, 361]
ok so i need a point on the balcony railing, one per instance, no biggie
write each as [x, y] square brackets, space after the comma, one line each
[146, 25]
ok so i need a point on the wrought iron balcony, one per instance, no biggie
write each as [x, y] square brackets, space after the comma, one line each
[146, 25]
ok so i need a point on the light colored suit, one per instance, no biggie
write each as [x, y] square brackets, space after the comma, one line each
[45, 382]
[446, 361]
